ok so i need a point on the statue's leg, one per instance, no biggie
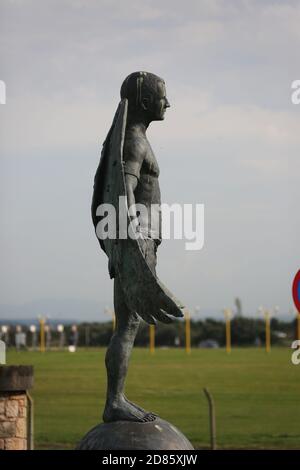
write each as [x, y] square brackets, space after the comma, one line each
[117, 407]
[149, 252]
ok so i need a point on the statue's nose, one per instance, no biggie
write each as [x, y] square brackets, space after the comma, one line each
[167, 105]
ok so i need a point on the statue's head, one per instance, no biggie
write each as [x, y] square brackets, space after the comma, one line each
[146, 94]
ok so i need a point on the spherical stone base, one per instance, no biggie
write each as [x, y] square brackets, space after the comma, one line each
[130, 435]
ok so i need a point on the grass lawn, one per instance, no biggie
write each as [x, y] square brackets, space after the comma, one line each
[257, 395]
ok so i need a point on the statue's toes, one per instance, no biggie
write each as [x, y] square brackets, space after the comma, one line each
[149, 417]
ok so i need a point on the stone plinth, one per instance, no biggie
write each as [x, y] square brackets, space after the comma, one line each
[14, 407]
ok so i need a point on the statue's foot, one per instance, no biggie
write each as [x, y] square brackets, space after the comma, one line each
[150, 413]
[122, 410]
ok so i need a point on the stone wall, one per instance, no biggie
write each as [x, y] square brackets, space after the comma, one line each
[16, 412]
[13, 421]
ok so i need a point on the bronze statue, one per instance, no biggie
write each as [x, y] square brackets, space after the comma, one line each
[128, 168]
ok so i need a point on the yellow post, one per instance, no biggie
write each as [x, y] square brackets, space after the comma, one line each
[187, 332]
[227, 313]
[268, 331]
[152, 338]
[42, 334]
[298, 326]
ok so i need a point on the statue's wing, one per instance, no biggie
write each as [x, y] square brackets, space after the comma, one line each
[108, 183]
[143, 291]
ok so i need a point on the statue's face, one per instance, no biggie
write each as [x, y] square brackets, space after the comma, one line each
[159, 104]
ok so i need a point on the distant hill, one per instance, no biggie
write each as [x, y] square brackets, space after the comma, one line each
[80, 310]
[57, 310]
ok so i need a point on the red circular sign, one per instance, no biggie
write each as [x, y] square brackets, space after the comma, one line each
[296, 291]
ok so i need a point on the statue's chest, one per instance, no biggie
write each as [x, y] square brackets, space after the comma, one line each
[150, 165]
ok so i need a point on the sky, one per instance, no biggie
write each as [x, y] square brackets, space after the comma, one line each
[230, 141]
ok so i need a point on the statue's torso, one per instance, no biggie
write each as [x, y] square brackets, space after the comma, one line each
[147, 191]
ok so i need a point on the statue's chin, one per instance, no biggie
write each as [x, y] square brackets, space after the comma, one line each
[161, 117]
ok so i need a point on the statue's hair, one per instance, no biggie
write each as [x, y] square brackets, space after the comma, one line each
[139, 85]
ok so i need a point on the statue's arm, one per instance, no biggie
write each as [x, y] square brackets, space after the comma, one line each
[131, 184]
[133, 157]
